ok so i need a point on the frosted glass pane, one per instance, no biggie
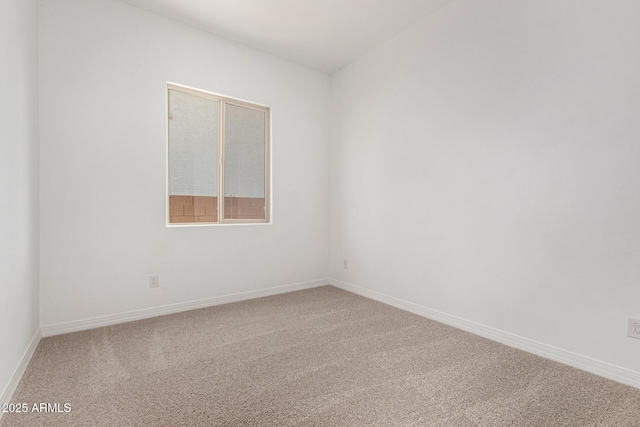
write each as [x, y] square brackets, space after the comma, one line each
[193, 146]
[244, 154]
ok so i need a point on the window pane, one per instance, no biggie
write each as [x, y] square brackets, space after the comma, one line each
[244, 163]
[193, 158]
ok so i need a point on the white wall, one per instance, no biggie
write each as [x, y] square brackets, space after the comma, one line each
[18, 183]
[485, 163]
[103, 70]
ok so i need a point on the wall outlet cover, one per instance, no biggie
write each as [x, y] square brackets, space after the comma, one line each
[154, 281]
[633, 328]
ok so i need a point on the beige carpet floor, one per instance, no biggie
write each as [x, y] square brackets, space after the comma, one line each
[319, 357]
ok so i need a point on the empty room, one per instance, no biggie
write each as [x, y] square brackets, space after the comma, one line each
[320, 213]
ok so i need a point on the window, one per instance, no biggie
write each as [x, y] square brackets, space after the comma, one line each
[216, 146]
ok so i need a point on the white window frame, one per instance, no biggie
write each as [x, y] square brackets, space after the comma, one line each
[223, 101]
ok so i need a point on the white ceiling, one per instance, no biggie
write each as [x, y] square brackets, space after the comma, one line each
[321, 34]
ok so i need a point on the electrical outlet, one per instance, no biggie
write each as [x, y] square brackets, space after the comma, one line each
[154, 281]
[345, 264]
[633, 328]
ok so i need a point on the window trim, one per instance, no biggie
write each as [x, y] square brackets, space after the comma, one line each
[223, 100]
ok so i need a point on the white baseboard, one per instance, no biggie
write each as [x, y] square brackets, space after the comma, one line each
[594, 366]
[7, 394]
[112, 319]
